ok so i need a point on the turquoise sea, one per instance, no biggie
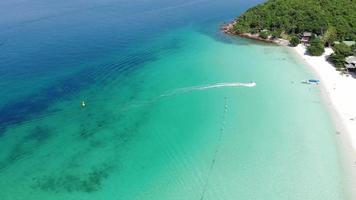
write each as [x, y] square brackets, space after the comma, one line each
[167, 113]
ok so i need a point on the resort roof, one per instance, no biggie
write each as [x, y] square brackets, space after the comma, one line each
[307, 34]
[350, 62]
[351, 59]
[348, 43]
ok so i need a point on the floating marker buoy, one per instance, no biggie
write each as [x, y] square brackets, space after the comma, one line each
[83, 104]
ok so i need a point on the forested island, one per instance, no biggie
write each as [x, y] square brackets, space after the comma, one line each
[315, 23]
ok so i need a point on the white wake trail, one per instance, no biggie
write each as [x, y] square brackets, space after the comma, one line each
[207, 87]
[187, 90]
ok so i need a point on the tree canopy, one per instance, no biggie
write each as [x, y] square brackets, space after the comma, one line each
[316, 47]
[336, 19]
[294, 41]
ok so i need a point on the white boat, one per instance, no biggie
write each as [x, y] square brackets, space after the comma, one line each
[312, 81]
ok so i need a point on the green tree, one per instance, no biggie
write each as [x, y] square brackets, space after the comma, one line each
[277, 33]
[316, 47]
[335, 20]
[353, 48]
[342, 49]
[338, 60]
[294, 41]
[330, 36]
[264, 35]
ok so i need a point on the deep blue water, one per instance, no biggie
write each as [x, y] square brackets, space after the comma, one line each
[161, 120]
[52, 49]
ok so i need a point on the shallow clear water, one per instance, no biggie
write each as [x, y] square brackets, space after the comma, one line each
[157, 123]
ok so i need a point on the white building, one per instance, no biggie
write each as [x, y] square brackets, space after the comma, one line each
[350, 62]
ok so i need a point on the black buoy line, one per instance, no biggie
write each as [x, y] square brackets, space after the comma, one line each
[213, 161]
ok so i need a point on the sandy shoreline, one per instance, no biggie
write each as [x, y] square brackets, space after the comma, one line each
[227, 29]
[339, 88]
[339, 94]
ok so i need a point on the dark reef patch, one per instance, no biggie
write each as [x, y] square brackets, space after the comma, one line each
[26, 146]
[89, 127]
[39, 133]
[129, 132]
[89, 182]
[18, 152]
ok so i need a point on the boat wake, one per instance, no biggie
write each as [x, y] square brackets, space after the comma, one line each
[207, 87]
[185, 90]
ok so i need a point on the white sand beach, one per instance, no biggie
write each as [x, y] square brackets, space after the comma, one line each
[340, 89]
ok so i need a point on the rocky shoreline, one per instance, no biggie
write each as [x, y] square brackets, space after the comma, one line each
[227, 29]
